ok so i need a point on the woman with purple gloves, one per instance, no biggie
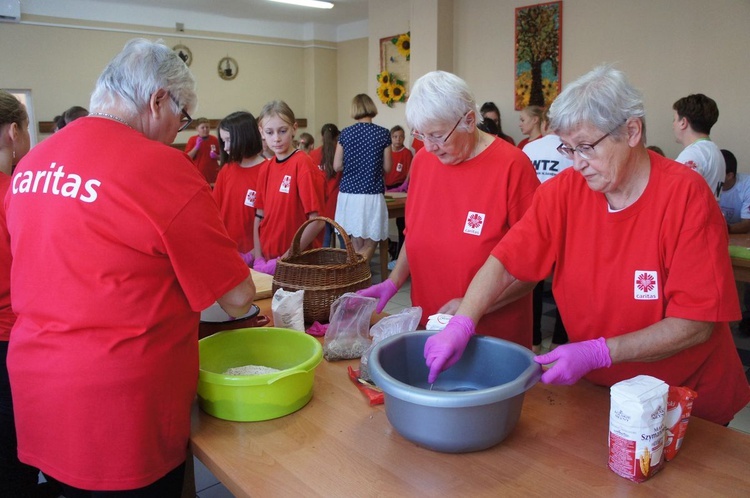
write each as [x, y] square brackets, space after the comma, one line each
[642, 276]
[466, 189]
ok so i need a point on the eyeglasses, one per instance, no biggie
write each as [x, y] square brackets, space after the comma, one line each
[185, 120]
[437, 140]
[586, 151]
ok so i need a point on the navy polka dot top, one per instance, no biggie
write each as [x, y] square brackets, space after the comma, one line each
[363, 145]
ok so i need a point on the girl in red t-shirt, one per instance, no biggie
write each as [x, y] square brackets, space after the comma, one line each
[236, 185]
[323, 158]
[290, 189]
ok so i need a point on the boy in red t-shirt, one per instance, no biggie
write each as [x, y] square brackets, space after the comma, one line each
[397, 180]
[203, 149]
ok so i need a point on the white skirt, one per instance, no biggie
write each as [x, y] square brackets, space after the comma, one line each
[363, 215]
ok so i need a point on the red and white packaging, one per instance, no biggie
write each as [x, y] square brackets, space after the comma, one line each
[679, 407]
[636, 427]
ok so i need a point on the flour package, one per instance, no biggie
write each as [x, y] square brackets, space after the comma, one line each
[636, 427]
[288, 309]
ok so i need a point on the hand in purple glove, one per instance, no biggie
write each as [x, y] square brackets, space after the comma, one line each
[213, 155]
[271, 266]
[383, 292]
[574, 360]
[248, 258]
[444, 349]
[401, 188]
[264, 266]
[198, 142]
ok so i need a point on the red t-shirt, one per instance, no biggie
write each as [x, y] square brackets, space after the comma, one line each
[416, 144]
[614, 273]
[455, 216]
[208, 167]
[330, 185]
[112, 264]
[523, 142]
[399, 168]
[316, 156]
[235, 192]
[288, 192]
[7, 317]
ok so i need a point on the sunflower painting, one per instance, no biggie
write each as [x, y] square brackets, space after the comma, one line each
[538, 54]
[395, 54]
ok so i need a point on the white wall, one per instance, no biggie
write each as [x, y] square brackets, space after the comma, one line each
[668, 48]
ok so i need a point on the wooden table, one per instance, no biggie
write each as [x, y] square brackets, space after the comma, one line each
[740, 266]
[396, 209]
[338, 445]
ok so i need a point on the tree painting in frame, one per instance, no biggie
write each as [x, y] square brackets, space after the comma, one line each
[538, 54]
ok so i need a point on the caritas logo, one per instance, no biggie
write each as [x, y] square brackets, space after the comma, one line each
[646, 285]
[474, 223]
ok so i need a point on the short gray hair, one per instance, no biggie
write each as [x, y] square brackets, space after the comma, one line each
[140, 69]
[602, 98]
[439, 97]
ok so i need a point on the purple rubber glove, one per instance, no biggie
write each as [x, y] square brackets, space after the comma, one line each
[271, 266]
[383, 292]
[213, 155]
[198, 142]
[401, 188]
[264, 266]
[574, 360]
[444, 349]
[248, 258]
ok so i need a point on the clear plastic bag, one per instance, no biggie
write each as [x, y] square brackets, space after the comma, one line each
[347, 336]
[406, 321]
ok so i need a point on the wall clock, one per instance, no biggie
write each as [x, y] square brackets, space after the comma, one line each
[228, 68]
[184, 53]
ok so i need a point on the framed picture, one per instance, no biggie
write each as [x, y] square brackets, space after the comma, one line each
[538, 54]
[184, 53]
[228, 68]
[395, 55]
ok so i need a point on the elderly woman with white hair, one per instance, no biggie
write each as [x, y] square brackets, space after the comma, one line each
[117, 246]
[638, 245]
[467, 189]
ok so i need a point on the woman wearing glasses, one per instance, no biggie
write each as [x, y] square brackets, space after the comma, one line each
[467, 189]
[103, 360]
[638, 245]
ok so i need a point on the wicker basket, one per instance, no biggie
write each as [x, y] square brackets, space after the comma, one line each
[324, 273]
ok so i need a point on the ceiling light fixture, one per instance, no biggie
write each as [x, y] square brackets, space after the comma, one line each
[307, 3]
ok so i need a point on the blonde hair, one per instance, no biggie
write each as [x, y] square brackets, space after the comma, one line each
[363, 107]
[535, 111]
[277, 108]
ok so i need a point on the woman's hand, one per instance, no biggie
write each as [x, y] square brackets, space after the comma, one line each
[451, 306]
[444, 349]
[574, 360]
[383, 292]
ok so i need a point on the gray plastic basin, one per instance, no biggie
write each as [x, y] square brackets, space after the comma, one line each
[472, 406]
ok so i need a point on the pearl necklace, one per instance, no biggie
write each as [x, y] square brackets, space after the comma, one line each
[110, 116]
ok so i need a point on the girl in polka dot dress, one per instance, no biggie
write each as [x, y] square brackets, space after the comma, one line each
[363, 155]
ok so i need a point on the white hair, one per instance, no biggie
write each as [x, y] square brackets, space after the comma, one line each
[602, 98]
[140, 69]
[439, 97]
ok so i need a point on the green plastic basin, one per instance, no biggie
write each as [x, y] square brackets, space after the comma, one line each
[249, 398]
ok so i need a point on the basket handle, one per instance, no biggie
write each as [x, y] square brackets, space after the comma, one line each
[351, 253]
